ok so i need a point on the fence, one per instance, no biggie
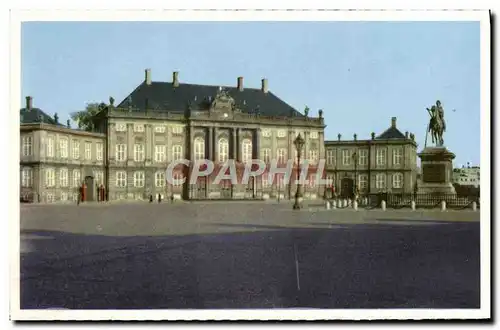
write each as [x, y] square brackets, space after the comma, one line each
[422, 200]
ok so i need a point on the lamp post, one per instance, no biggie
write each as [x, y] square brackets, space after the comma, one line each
[355, 158]
[299, 144]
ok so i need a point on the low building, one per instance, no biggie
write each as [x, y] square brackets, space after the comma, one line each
[55, 160]
[467, 176]
[384, 163]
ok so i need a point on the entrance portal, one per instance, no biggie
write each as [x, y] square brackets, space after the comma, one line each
[347, 186]
[90, 193]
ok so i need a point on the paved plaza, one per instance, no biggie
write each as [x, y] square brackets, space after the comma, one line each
[246, 255]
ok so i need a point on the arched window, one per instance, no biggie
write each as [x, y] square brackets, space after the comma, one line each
[223, 153]
[246, 148]
[199, 148]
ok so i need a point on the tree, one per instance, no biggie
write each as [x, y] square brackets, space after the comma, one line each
[86, 119]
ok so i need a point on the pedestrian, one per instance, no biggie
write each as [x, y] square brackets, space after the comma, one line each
[151, 198]
[159, 198]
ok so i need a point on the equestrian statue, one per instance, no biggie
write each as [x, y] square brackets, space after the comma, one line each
[437, 125]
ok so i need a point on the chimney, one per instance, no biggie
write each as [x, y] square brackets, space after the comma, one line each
[29, 103]
[393, 122]
[147, 78]
[240, 84]
[175, 79]
[264, 85]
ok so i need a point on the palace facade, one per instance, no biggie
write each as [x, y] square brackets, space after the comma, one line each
[133, 143]
[383, 163]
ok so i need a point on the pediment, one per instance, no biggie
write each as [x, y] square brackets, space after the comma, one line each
[223, 103]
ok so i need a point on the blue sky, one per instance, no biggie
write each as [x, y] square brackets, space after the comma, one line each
[360, 73]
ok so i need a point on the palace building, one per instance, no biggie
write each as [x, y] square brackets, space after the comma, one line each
[55, 159]
[384, 163]
[127, 153]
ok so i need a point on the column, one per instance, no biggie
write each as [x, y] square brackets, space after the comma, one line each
[210, 143]
[234, 143]
[213, 142]
[191, 143]
[256, 147]
[238, 143]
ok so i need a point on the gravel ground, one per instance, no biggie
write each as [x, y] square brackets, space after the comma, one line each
[242, 255]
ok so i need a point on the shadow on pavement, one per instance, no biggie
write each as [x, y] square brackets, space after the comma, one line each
[373, 266]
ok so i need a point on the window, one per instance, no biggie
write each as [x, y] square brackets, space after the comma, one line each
[246, 152]
[138, 179]
[138, 128]
[363, 182]
[281, 180]
[281, 133]
[397, 180]
[281, 155]
[223, 153]
[199, 149]
[51, 198]
[76, 149]
[64, 196]
[76, 178]
[63, 148]
[265, 180]
[50, 147]
[266, 133]
[177, 152]
[381, 155]
[98, 151]
[160, 129]
[159, 179]
[159, 153]
[177, 129]
[138, 152]
[99, 177]
[313, 135]
[121, 179]
[397, 155]
[27, 145]
[312, 180]
[266, 155]
[363, 157]
[121, 127]
[329, 180]
[27, 177]
[330, 157]
[380, 181]
[63, 177]
[50, 177]
[346, 157]
[121, 150]
[313, 156]
[88, 150]
[177, 179]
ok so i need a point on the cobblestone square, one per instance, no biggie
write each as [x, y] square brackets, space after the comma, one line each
[246, 255]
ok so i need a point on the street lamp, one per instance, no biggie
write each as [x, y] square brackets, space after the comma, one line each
[355, 158]
[299, 144]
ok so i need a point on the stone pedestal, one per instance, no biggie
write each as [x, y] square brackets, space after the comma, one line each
[437, 168]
